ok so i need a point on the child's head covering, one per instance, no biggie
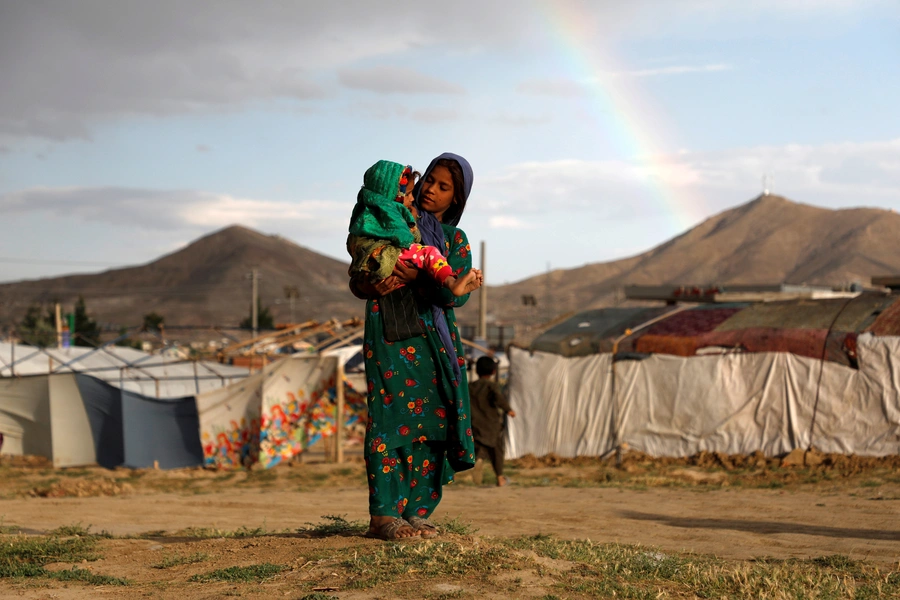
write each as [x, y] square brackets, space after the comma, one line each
[386, 178]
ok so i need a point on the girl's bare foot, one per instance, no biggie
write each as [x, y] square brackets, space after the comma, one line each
[502, 480]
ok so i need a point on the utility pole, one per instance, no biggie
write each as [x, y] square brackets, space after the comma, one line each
[254, 319]
[482, 306]
[291, 293]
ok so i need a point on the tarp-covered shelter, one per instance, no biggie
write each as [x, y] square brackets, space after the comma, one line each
[275, 414]
[113, 406]
[44, 416]
[729, 378]
[137, 431]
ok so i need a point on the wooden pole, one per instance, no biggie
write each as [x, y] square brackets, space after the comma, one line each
[255, 304]
[339, 413]
[58, 326]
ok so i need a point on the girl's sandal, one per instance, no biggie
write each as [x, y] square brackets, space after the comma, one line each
[426, 528]
[388, 531]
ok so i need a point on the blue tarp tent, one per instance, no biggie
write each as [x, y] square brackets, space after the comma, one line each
[137, 431]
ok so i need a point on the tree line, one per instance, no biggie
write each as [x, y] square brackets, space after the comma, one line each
[38, 326]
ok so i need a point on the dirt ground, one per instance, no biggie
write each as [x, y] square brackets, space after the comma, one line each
[739, 508]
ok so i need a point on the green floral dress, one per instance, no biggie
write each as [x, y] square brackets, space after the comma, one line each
[419, 431]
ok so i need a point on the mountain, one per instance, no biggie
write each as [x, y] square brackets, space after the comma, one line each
[767, 240]
[205, 283]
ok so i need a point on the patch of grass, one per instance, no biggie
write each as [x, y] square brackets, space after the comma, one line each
[252, 573]
[871, 483]
[261, 476]
[87, 577]
[334, 525]
[212, 532]
[74, 472]
[455, 525]
[608, 570]
[319, 596]
[78, 531]
[177, 560]
[8, 529]
[391, 562]
[26, 557]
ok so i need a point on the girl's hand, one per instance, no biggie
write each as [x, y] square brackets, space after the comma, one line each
[387, 285]
[404, 273]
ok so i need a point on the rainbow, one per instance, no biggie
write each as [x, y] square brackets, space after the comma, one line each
[622, 110]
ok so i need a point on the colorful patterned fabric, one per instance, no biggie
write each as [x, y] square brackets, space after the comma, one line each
[429, 259]
[275, 415]
[679, 334]
[406, 481]
[412, 393]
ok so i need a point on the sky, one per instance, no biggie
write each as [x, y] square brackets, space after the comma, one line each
[596, 129]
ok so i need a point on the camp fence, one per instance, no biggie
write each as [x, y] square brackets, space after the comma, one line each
[736, 403]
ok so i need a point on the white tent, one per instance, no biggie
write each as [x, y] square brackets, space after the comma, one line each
[733, 403]
[44, 416]
[43, 408]
[152, 375]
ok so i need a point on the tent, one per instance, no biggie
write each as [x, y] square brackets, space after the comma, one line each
[136, 431]
[113, 406]
[44, 415]
[154, 375]
[779, 376]
[275, 414]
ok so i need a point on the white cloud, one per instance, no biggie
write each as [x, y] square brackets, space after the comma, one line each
[435, 114]
[67, 65]
[173, 211]
[396, 80]
[563, 88]
[695, 184]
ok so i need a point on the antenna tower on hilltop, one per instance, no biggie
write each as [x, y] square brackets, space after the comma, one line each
[766, 184]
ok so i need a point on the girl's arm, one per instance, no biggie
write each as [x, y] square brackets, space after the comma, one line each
[460, 260]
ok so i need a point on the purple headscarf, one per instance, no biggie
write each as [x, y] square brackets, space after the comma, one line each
[433, 235]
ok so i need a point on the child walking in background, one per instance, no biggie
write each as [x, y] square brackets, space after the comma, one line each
[383, 230]
[489, 406]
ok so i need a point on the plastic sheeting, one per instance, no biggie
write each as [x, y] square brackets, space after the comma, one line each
[44, 416]
[152, 375]
[735, 403]
[274, 415]
[136, 431]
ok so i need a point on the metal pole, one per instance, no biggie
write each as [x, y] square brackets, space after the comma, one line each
[482, 307]
[339, 413]
[255, 304]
